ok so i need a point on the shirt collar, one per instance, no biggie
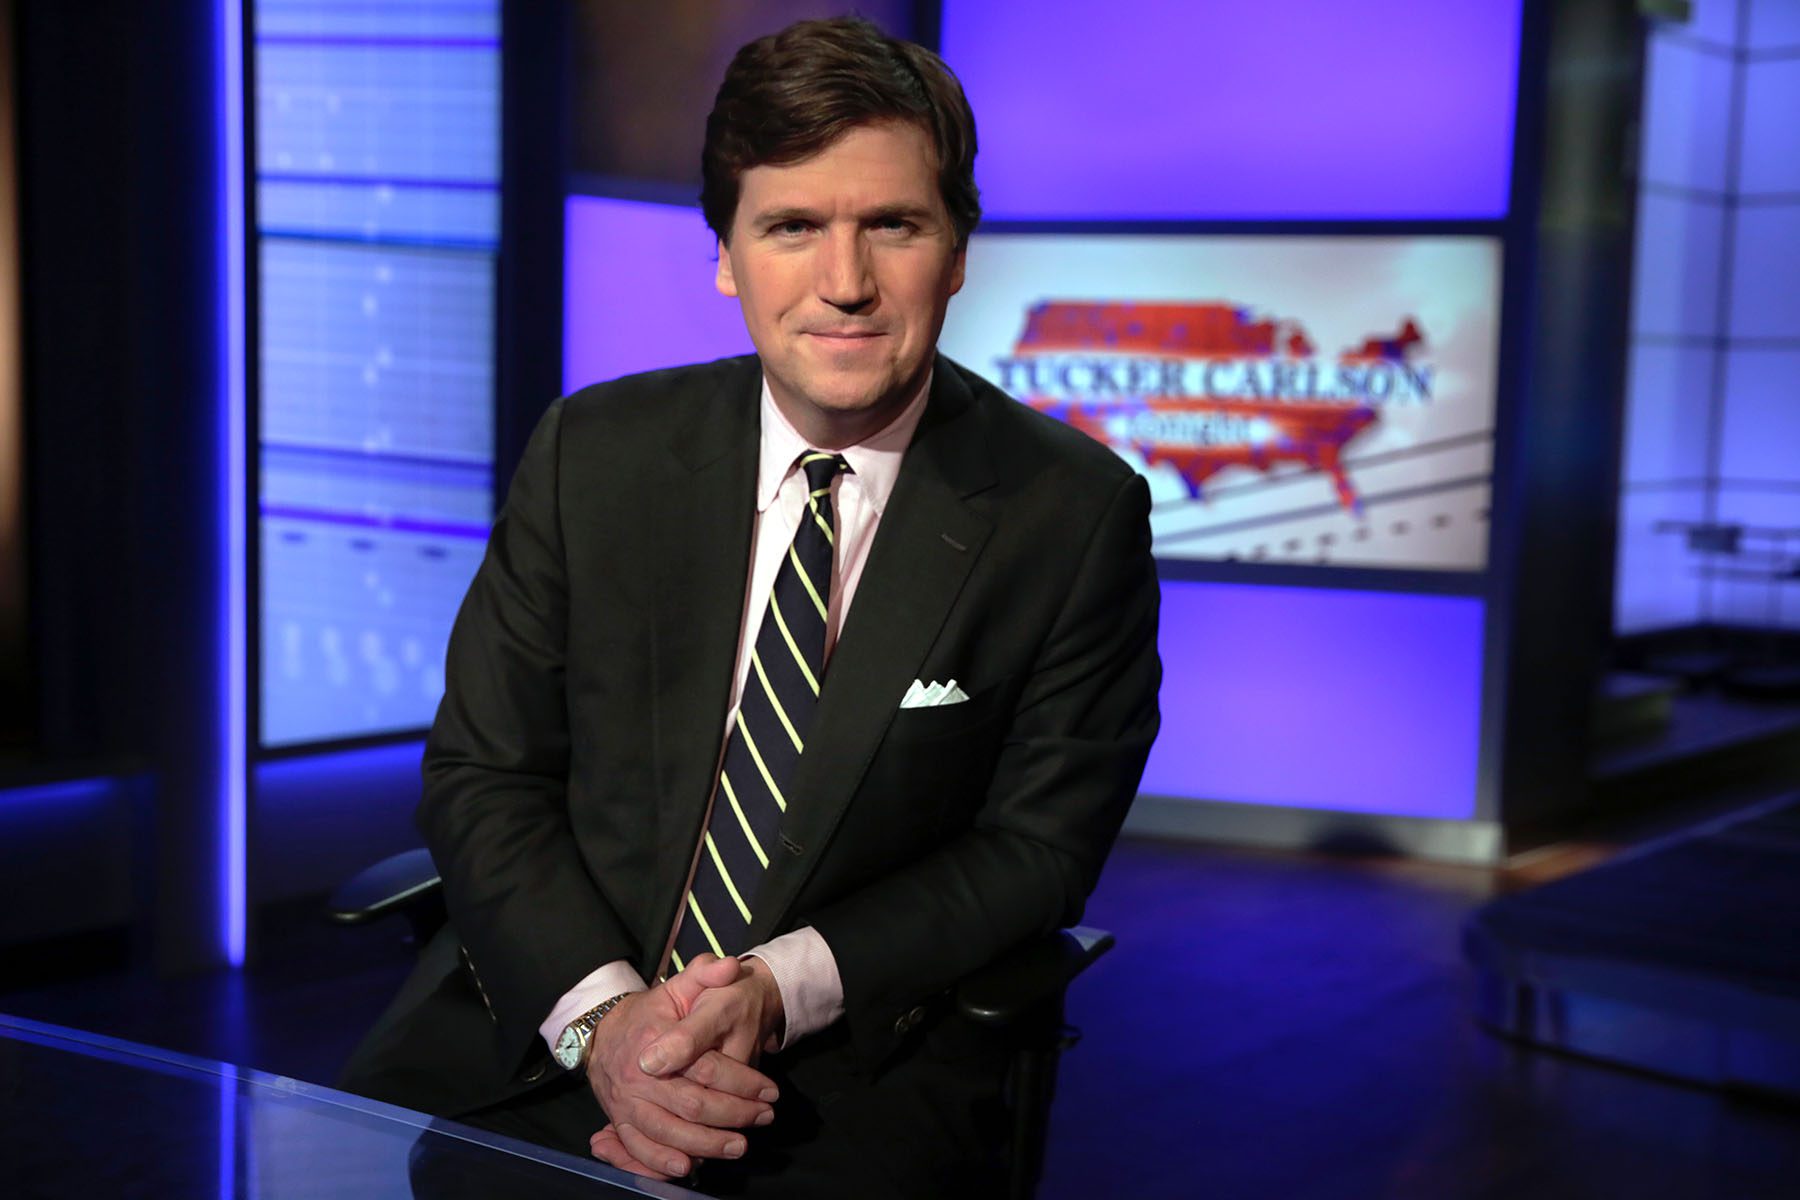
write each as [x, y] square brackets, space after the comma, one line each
[874, 461]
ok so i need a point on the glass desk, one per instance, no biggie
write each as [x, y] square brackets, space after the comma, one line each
[90, 1116]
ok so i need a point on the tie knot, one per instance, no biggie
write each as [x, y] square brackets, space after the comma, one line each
[821, 467]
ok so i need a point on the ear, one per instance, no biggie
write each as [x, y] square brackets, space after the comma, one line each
[723, 279]
[956, 269]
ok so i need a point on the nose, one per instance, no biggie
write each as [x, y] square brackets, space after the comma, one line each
[845, 280]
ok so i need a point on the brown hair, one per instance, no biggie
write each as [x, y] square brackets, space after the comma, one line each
[791, 94]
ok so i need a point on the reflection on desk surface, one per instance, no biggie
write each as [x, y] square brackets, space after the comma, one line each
[91, 1116]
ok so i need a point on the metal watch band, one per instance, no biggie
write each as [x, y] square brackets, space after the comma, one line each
[584, 1024]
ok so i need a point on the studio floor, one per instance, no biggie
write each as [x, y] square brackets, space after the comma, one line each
[1270, 1025]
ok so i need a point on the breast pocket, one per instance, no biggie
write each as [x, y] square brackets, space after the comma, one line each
[928, 777]
[946, 720]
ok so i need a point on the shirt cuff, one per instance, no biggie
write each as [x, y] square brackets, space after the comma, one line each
[601, 985]
[806, 975]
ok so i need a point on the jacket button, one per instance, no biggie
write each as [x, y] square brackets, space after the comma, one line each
[909, 1020]
[536, 1073]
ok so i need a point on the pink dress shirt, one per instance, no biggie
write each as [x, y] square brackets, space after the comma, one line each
[812, 994]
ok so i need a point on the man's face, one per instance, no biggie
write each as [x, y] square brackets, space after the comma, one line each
[844, 264]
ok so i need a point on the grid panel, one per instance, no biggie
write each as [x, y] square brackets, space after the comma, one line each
[1761, 430]
[1771, 165]
[1687, 115]
[1764, 301]
[1678, 260]
[1658, 585]
[1666, 425]
[1715, 21]
[1773, 26]
[378, 141]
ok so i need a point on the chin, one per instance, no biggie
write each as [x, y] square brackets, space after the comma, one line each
[850, 398]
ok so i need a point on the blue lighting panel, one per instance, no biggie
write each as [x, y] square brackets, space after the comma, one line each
[1191, 109]
[1348, 701]
[378, 142]
[378, 348]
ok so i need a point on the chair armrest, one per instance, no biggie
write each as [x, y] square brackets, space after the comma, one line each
[1001, 992]
[407, 883]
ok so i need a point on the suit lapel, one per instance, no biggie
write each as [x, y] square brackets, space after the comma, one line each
[927, 543]
[701, 524]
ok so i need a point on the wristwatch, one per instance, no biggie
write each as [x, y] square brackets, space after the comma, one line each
[571, 1047]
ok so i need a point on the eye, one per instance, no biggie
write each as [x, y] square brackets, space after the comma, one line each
[793, 228]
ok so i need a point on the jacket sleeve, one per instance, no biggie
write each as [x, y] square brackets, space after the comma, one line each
[494, 811]
[1066, 774]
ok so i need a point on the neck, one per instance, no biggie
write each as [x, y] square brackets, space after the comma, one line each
[827, 430]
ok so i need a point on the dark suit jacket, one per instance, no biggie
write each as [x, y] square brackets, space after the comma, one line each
[568, 772]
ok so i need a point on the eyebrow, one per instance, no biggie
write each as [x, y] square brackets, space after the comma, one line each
[911, 212]
[779, 216]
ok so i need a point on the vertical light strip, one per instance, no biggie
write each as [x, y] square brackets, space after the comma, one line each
[233, 690]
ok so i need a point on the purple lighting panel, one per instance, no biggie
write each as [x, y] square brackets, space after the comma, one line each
[638, 292]
[1349, 701]
[1202, 109]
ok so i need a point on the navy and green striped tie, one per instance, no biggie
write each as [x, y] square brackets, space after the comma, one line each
[768, 732]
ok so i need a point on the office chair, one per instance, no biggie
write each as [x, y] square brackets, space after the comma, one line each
[1020, 996]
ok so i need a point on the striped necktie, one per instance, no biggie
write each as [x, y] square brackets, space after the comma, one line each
[768, 732]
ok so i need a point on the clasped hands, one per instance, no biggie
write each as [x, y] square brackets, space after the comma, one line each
[674, 1067]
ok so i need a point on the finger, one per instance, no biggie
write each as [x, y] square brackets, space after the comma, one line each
[722, 1074]
[607, 1147]
[704, 1106]
[616, 1155]
[676, 1135]
[671, 1164]
[704, 972]
[741, 1045]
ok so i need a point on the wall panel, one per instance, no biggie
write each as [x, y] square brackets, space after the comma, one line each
[1773, 25]
[1765, 301]
[1771, 145]
[1668, 428]
[1679, 249]
[1687, 115]
[1658, 584]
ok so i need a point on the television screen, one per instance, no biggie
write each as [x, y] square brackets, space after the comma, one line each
[1289, 399]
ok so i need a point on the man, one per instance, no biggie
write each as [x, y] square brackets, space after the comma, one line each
[793, 689]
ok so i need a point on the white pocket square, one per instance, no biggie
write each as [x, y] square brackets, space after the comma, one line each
[919, 695]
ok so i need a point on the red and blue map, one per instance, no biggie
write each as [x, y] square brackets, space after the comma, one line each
[1204, 387]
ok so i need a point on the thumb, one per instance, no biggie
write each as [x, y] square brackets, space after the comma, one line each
[679, 1046]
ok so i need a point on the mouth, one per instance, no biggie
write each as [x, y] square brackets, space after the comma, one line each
[844, 336]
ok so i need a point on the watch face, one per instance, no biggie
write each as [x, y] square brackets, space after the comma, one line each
[568, 1050]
